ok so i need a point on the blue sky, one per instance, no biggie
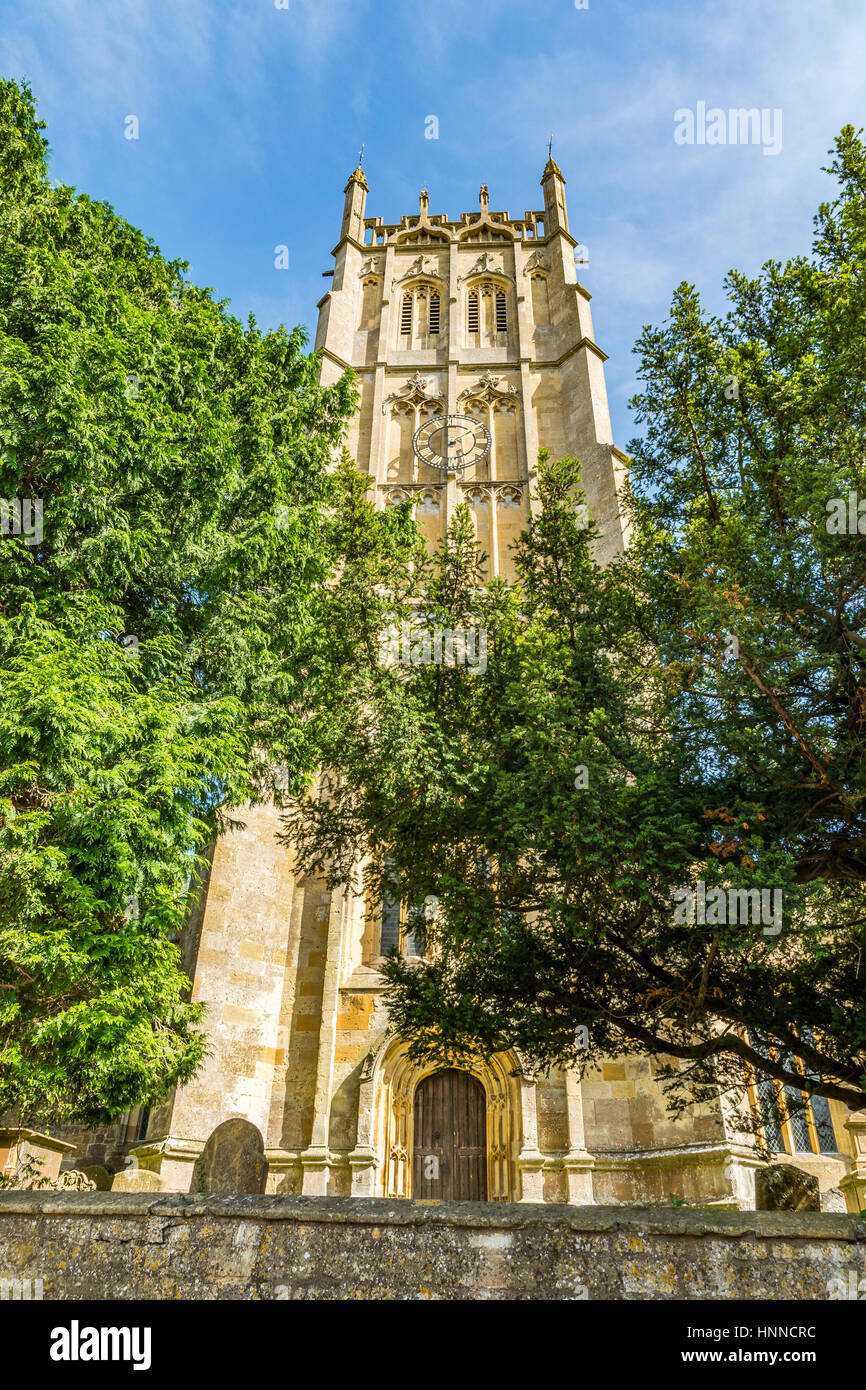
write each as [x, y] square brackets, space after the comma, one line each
[251, 117]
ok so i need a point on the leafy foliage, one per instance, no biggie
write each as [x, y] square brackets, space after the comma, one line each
[182, 464]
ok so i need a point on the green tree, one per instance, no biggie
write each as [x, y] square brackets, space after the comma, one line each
[150, 623]
[691, 713]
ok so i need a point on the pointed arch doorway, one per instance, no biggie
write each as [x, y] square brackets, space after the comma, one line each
[449, 1160]
[383, 1161]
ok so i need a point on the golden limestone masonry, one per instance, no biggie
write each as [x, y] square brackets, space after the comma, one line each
[483, 318]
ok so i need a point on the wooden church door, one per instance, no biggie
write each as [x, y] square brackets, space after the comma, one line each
[450, 1150]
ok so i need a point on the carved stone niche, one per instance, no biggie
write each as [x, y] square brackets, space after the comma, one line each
[414, 392]
[417, 268]
[487, 392]
[486, 264]
[536, 262]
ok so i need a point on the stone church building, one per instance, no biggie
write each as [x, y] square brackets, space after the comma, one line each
[480, 317]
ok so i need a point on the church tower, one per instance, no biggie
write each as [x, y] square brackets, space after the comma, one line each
[483, 318]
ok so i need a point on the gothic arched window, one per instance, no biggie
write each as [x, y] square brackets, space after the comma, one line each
[792, 1121]
[402, 927]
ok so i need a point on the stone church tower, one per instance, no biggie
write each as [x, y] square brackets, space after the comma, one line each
[481, 317]
[484, 318]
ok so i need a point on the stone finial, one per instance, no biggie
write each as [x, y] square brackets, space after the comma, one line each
[424, 202]
[551, 168]
[553, 183]
[358, 177]
[483, 196]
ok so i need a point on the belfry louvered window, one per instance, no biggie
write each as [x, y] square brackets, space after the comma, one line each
[486, 314]
[420, 316]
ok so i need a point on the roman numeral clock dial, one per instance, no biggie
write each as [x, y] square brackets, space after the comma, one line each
[451, 443]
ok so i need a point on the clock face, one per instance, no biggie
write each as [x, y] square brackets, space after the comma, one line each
[451, 442]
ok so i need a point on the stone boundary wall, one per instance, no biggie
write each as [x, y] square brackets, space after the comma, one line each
[142, 1245]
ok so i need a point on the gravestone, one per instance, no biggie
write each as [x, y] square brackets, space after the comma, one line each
[782, 1187]
[99, 1176]
[73, 1180]
[136, 1180]
[833, 1199]
[232, 1161]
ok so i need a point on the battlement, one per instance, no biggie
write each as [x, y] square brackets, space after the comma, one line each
[530, 227]
[483, 225]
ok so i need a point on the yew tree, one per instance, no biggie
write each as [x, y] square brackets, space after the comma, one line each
[690, 715]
